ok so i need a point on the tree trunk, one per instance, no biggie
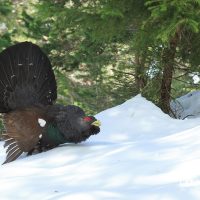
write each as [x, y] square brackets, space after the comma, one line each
[168, 69]
[140, 77]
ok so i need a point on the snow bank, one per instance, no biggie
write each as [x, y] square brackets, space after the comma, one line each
[140, 154]
[187, 106]
[140, 119]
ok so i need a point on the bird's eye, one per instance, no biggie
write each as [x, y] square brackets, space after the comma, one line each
[87, 119]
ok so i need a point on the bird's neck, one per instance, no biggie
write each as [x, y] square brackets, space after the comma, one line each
[54, 135]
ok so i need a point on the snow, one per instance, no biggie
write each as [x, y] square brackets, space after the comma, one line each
[141, 154]
[187, 106]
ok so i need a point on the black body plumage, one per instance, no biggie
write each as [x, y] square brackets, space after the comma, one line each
[27, 94]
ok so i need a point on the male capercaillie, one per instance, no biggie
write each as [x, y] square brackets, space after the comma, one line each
[31, 118]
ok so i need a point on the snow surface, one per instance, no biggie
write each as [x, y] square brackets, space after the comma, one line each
[140, 154]
[187, 106]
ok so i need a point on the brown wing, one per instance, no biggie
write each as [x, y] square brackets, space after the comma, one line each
[22, 131]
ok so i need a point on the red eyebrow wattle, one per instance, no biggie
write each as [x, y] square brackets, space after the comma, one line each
[87, 119]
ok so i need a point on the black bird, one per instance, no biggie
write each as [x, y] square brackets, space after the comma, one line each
[27, 94]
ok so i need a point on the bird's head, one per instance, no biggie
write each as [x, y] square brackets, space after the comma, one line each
[75, 125]
[90, 123]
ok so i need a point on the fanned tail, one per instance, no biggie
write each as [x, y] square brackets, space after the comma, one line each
[26, 77]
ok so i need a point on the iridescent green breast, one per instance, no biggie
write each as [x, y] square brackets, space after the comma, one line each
[54, 135]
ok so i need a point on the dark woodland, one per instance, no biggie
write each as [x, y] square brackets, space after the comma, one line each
[105, 52]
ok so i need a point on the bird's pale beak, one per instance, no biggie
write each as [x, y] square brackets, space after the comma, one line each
[96, 123]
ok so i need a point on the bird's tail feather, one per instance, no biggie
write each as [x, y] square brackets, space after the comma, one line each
[26, 77]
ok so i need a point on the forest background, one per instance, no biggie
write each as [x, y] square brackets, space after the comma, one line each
[105, 52]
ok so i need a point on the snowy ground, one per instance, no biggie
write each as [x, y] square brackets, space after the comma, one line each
[187, 106]
[140, 154]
